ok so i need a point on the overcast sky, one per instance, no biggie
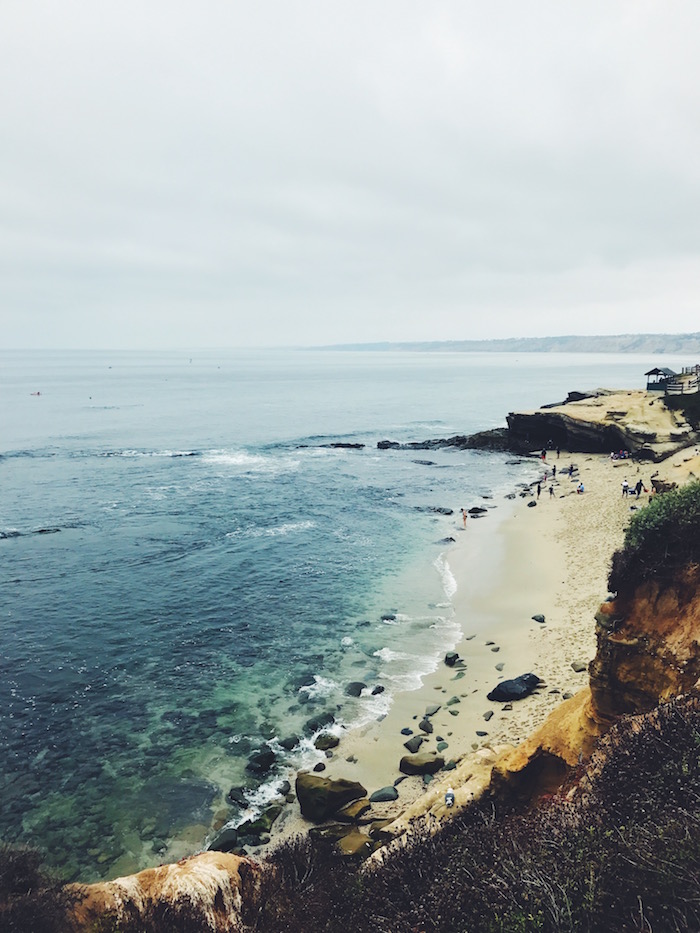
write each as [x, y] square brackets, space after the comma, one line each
[245, 173]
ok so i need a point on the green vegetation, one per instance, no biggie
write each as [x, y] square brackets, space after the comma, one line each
[660, 539]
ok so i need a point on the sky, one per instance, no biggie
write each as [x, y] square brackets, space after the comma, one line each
[269, 173]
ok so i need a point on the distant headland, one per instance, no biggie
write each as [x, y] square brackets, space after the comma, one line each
[618, 343]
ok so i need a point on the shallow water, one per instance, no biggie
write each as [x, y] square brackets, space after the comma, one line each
[187, 573]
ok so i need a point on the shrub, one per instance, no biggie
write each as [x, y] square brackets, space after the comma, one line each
[660, 539]
[31, 898]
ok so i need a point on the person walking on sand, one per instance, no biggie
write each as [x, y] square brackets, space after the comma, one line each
[638, 488]
[539, 490]
[554, 471]
[551, 492]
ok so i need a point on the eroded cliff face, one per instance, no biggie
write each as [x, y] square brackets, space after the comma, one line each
[208, 889]
[648, 648]
[648, 652]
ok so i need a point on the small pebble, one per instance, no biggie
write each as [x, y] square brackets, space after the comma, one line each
[500, 666]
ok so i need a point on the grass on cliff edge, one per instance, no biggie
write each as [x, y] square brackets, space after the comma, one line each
[661, 538]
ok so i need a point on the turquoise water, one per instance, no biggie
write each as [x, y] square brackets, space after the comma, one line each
[187, 573]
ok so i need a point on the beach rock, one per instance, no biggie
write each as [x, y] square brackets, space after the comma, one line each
[355, 688]
[319, 767]
[261, 762]
[516, 689]
[426, 725]
[263, 823]
[453, 701]
[284, 788]
[432, 709]
[414, 744]
[325, 740]
[353, 811]
[319, 797]
[427, 778]
[421, 763]
[355, 844]
[377, 690]
[290, 742]
[316, 723]
[441, 746]
[538, 618]
[476, 510]
[388, 445]
[226, 841]
[384, 795]
[531, 504]
[451, 658]
[448, 540]
[388, 617]
[406, 731]
[237, 797]
[481, 733]
[500, 666]
[579, 667]
[488, 714]
[459, 675]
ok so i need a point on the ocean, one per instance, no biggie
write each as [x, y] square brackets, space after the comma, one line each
[190, 572]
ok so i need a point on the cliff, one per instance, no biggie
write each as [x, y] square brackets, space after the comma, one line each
[633, 421]
[647, 653]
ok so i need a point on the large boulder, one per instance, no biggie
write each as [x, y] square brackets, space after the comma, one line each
[320, 797]
[421, 763]
[516, 689]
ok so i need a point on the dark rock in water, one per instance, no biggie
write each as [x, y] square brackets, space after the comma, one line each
[47, 531]
[425, 462]
[237, 796]
[422, 763]
[261, 761]
[355, 688]
[319, 797]
[284, 788]
[388, 445]
[262, 824]
[226, 841]
[384, 795]
[451, 658]
[318, 722]
[290, 742]
[516, 689]
[435, 509]
[388, 617]
[406, 731]
[325, 741]
[319, 767]
[425, 725]
[448, 540]
[343, 445]
[538, 618]
[414, 744]
[377, 690]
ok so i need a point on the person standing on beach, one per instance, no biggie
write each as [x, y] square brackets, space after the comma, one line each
[625, 487]
[554, 471]
[551, 492]
[464, 517]
[539, 490]
[638, 488]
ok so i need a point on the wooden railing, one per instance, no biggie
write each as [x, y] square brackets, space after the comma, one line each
[686, 387]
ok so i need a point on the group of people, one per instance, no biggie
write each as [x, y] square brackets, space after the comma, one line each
[628, 490]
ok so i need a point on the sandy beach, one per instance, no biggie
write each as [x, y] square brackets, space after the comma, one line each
[551, 559]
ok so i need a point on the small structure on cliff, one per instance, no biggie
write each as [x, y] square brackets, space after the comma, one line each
[658, 378]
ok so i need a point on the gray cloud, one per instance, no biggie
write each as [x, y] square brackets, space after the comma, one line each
[179, 174]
